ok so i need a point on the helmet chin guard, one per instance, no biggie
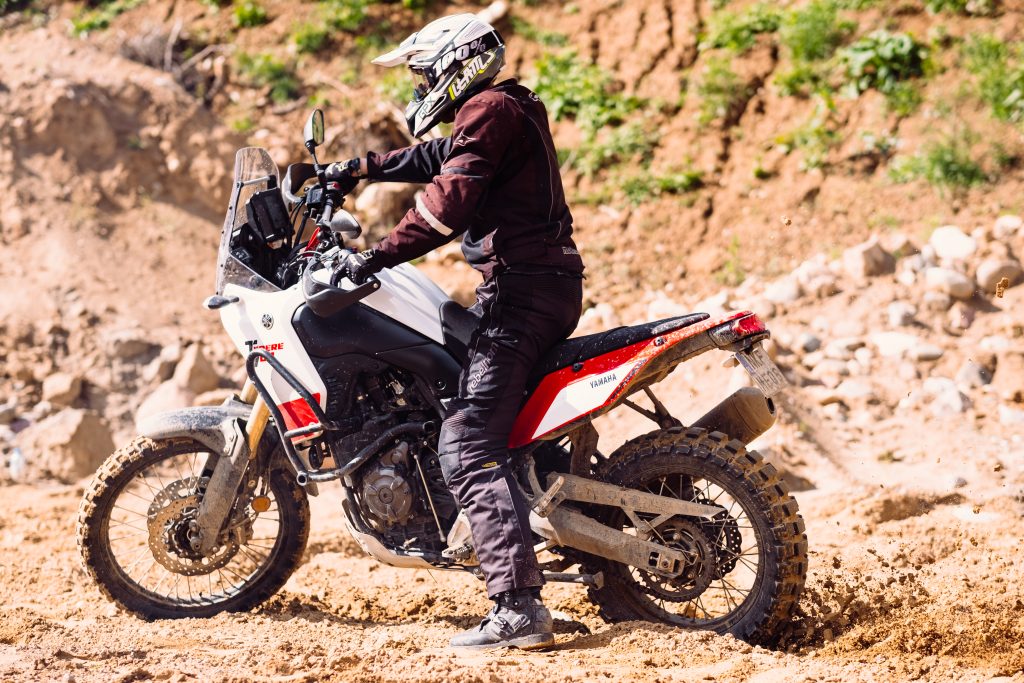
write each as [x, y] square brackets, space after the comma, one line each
[451, 59]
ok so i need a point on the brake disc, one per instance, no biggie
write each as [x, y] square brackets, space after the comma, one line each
[170, 518]
[689, 539]
[724, 533]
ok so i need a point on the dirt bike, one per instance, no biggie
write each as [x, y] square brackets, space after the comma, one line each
[207, 509]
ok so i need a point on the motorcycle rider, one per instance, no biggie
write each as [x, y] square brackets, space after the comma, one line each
[495, 181]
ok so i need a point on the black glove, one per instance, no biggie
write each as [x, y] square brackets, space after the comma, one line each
[345, 173]
[359, 267]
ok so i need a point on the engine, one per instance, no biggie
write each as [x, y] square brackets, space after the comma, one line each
[386, 492]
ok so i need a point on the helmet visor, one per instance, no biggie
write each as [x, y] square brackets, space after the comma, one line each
[420, 84]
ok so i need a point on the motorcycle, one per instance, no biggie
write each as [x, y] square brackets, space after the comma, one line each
[207, 509]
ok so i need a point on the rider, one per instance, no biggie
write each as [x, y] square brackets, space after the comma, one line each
[496, 183]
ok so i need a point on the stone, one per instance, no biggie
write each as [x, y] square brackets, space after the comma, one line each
[908, 372]
[127, 344]
[830, 372]
[864, 357]
[213, 398]
[901, 314]
[8, 411]
[62, 388]
[856, 390]
[1008, 378]
[167, 396]
[68, 445]
[899, 245]
[952, 244]
[843, 347]
[961, 316]
[973, 375]
[598, 318]
[1007, 226]
[812, 359]
[195, 373]
[946, 397]
[816, 278]
[807, 342]
[783, 291]
[936, 302]
[893, 344]
[1011, 417]
[868, 259]
[925, 352]
[991, 271]
[949, 281]
[382, 205]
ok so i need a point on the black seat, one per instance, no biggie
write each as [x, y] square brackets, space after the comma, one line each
[458, 324]
[579, 349]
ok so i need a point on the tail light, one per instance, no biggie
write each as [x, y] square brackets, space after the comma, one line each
[749, 329]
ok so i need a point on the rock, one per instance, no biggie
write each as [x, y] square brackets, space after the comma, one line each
[213, 398]
[899, 245]
[928, 257]
[168, 396]
[816, 278]
[1008, 378]
[8, 411]
[946, 398]
[843, 348]
[1007, 226]
[830, 372]
[908, 372]
[893, 344]
[715, 304]
[807, 342]
[925, 352]
[901, 314]
[958, 483]
[991, 271]
[382, 205]
[867, 260]
[952, 244]
[598, 318]
[195, 373]
[69, 445]
[812, 359]
[856, 390]
[973, 375]
[1011, 417]
[783, 291]
[864, 357]
[961, 316]
[62, 388]
[126, 344]
[949, 281]
[936, 302]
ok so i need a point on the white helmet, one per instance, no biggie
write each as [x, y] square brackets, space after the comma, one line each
[451, 59]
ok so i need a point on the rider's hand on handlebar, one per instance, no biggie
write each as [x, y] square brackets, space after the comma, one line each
[359, 267]
[345, 173]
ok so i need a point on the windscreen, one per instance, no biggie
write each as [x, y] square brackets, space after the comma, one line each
[253, 170]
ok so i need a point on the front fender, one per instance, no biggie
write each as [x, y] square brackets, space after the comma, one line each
[210, 426]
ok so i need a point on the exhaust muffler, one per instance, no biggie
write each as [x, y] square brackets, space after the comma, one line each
[745, 415]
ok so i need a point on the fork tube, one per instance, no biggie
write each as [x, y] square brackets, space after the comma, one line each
[248, 392]
[256, 424]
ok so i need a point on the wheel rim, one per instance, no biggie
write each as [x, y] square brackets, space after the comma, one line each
[724, 586]
[146, 532]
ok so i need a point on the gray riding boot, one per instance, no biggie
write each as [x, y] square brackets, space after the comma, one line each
[518, 619]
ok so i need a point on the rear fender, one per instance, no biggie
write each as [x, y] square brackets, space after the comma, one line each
[576, 394]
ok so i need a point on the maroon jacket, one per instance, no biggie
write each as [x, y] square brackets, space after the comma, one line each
[495, 181]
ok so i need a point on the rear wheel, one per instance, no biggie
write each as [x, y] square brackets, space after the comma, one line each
[746, 567]
[134, 534]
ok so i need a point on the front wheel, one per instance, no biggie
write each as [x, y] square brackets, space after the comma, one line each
[746, 566]
[134, 532]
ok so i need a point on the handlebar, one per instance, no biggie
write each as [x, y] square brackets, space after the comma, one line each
[326, 300]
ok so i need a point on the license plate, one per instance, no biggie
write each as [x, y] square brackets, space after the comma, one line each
[766, 375]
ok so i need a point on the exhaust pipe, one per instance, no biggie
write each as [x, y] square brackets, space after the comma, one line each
[745, 415]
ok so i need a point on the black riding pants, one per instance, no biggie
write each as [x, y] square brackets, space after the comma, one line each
[521, 317]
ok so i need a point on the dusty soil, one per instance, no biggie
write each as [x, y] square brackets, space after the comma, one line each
[914, 517]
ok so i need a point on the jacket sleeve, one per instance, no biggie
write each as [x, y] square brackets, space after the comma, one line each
[416, 164]
[484, 129]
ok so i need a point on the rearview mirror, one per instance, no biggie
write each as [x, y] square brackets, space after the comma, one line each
[314, 130]
[345, 224]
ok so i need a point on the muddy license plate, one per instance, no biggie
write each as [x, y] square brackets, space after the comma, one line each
[762, 370]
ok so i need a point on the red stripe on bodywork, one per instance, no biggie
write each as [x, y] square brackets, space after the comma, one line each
[297, 413]
[537, 406]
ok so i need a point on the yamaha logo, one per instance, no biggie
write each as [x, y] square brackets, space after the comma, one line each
[604, 379]
[267, 320]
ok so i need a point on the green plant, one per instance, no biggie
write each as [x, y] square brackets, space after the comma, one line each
[640, 188]
[265, 70]
[615, 145]
[945, 164]
[738, 31]
[816, 137]
[971, 7]
[721, 92]
[903, 98]
[814, 32]
[732, 273]
[243, 124]
[531, 32]
[346, 15]
[100, 16]
[395, 86]
[248, 13]
[573, 89]
[309, 37]
[881, 60]
[414, 4]
[999, 69]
